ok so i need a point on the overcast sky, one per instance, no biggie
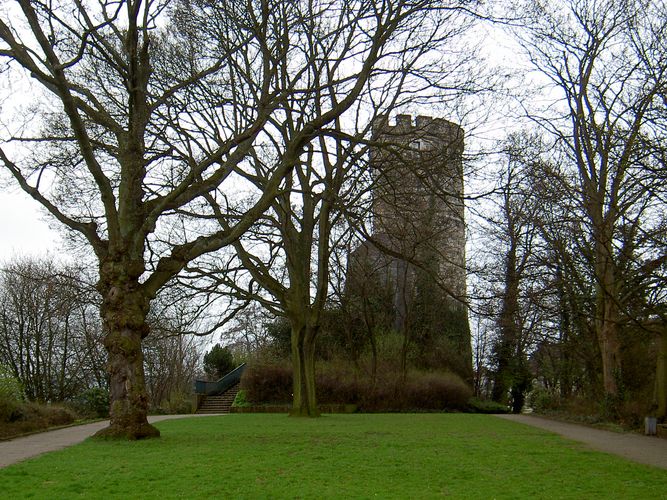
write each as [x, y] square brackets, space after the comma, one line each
[22, 226]
[25, 228]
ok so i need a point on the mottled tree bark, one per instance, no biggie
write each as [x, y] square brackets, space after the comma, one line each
[124, 310]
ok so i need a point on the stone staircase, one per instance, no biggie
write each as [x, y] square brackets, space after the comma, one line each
[219, 404]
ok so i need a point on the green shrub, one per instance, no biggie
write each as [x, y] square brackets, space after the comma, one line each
[180, 406]
[486, 406]
[10, 387]
[336, 385]
[240, 400]
[93, 403]
[631, 413]
[11, 396]
[381, 395]
[541, 399]
[9, 409]
[179, 403]
[62, 415]
[219, 361]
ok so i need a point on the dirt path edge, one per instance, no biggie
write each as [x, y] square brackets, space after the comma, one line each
[643, 449]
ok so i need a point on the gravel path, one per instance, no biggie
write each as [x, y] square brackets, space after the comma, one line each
[642, 449]
[22, 448]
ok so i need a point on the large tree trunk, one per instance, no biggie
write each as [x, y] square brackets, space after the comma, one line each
[369, 323]
[124, 311]
[304, 403]
[606, 323]
[661, 377]
[507, 350]
[611, 361]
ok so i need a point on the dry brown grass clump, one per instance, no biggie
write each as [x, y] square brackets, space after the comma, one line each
[271, 383]
[27, 417]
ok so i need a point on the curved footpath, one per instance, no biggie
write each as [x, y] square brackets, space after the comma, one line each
[642, 449]
[22, 448]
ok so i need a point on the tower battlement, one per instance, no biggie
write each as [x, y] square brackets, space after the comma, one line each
[407, 127]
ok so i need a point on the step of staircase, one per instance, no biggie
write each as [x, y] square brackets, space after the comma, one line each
[219, 404]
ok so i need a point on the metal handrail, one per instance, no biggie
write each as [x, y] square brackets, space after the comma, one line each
[215, 388]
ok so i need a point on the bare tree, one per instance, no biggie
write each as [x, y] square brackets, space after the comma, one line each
[249, 334]
[172, 363]
[284, 261]
[515, 236]
[604, 61]
[144, 108]
[49, 330]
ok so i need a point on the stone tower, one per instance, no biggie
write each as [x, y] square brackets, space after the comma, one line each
[416, 254]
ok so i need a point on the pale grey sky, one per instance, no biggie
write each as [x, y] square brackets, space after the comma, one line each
[23, 230]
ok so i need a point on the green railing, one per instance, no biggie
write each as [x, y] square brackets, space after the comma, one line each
[215, 388]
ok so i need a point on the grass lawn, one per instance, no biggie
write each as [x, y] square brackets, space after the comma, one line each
[336, 456]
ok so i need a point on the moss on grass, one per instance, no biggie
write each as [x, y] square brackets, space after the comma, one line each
[335, 456]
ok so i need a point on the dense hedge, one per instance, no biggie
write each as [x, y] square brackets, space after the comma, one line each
[271, 383]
